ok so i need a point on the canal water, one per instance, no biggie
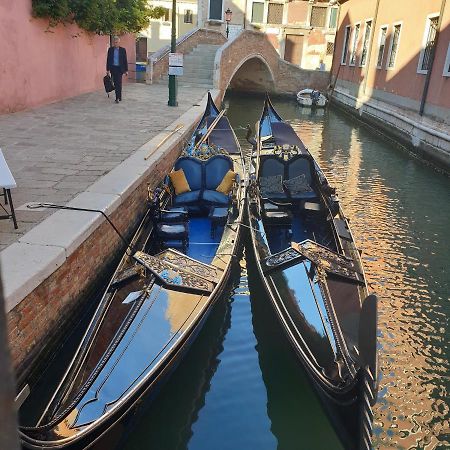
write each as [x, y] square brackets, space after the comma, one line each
[241, 387]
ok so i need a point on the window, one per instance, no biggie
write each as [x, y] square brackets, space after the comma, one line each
[355, 44]
[318, 16]
[275, 13]
[345, 46]
[381, 45]
[446, 72]
[215, 10]
[333, 18]
[166, 15]
[365, 47]
[428, 44]
[257, 12]
[393, 49]
[188, 16]
[330, 48]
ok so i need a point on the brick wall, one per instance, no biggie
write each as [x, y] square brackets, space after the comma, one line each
[42, 317]
[160, 67]
[291, 78]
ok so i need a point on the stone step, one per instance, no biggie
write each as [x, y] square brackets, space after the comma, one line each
[182, 83]
[195, 57]
[202, 73]
[189, 79]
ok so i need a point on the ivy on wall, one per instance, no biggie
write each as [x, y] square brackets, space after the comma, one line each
[99, 16]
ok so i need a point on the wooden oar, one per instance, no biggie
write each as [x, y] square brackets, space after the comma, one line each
[177, 128]
[211, 127]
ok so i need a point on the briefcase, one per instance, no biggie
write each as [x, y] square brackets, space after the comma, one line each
[109, 85]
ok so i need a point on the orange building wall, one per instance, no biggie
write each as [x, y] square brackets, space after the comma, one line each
[297, 12]
[403, 80]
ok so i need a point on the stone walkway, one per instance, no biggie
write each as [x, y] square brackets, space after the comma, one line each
[58, 150]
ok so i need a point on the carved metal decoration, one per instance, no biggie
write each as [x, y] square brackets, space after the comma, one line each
[286, 151]
[173, 276]
[327, 259]
[286, 256]
[320, 256]
[125, 275]
[204, 151]
[188, 264]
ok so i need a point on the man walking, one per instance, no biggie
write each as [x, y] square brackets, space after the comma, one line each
[117, 65]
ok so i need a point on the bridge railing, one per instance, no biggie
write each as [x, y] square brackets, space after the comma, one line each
[158, 63]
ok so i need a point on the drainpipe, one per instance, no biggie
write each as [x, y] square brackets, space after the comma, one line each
[245, 13]
[369, 51]
[430, 69]
[333, 85]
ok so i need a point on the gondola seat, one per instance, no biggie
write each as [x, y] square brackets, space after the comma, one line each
[187, 198]
[203, 178]
[173, 235]
[174, 214]
[295, 167]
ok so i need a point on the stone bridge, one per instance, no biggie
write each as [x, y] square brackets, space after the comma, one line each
[248, 62]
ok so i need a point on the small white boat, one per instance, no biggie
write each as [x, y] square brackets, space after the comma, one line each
[311, 97]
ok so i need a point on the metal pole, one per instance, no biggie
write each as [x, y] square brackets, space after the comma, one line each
[370, 44]
[333, 85]
[173, 48]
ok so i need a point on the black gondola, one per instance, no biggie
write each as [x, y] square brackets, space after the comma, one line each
[311, 269]
[159, 297]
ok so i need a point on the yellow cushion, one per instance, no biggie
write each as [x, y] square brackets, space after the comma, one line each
[179, 181]
[226, 184]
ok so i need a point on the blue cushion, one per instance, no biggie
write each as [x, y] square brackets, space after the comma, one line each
[187, 197]
[172, 230]
[192, 169]
[218, 213]
[215, 169]
[216, 198]
[271, 167]
[298, 167]
[279, 196]
[303, 195]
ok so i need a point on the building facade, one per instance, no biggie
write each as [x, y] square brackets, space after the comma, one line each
[158, 33]
[302, 31]
[392, 62]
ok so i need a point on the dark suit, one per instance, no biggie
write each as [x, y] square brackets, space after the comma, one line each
[117, 71]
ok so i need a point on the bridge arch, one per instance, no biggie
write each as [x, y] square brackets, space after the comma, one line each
[252, 74]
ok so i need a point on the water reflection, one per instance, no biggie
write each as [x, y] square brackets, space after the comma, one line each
[167, 422]
[298, 421]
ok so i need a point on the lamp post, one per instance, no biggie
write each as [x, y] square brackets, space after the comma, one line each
[228, 14]
[173, 48]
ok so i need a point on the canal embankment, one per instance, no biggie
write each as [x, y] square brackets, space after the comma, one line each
[426, 138]
[50, 270]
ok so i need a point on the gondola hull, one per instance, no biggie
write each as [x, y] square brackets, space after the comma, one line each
[154, 306]
[310, 268]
